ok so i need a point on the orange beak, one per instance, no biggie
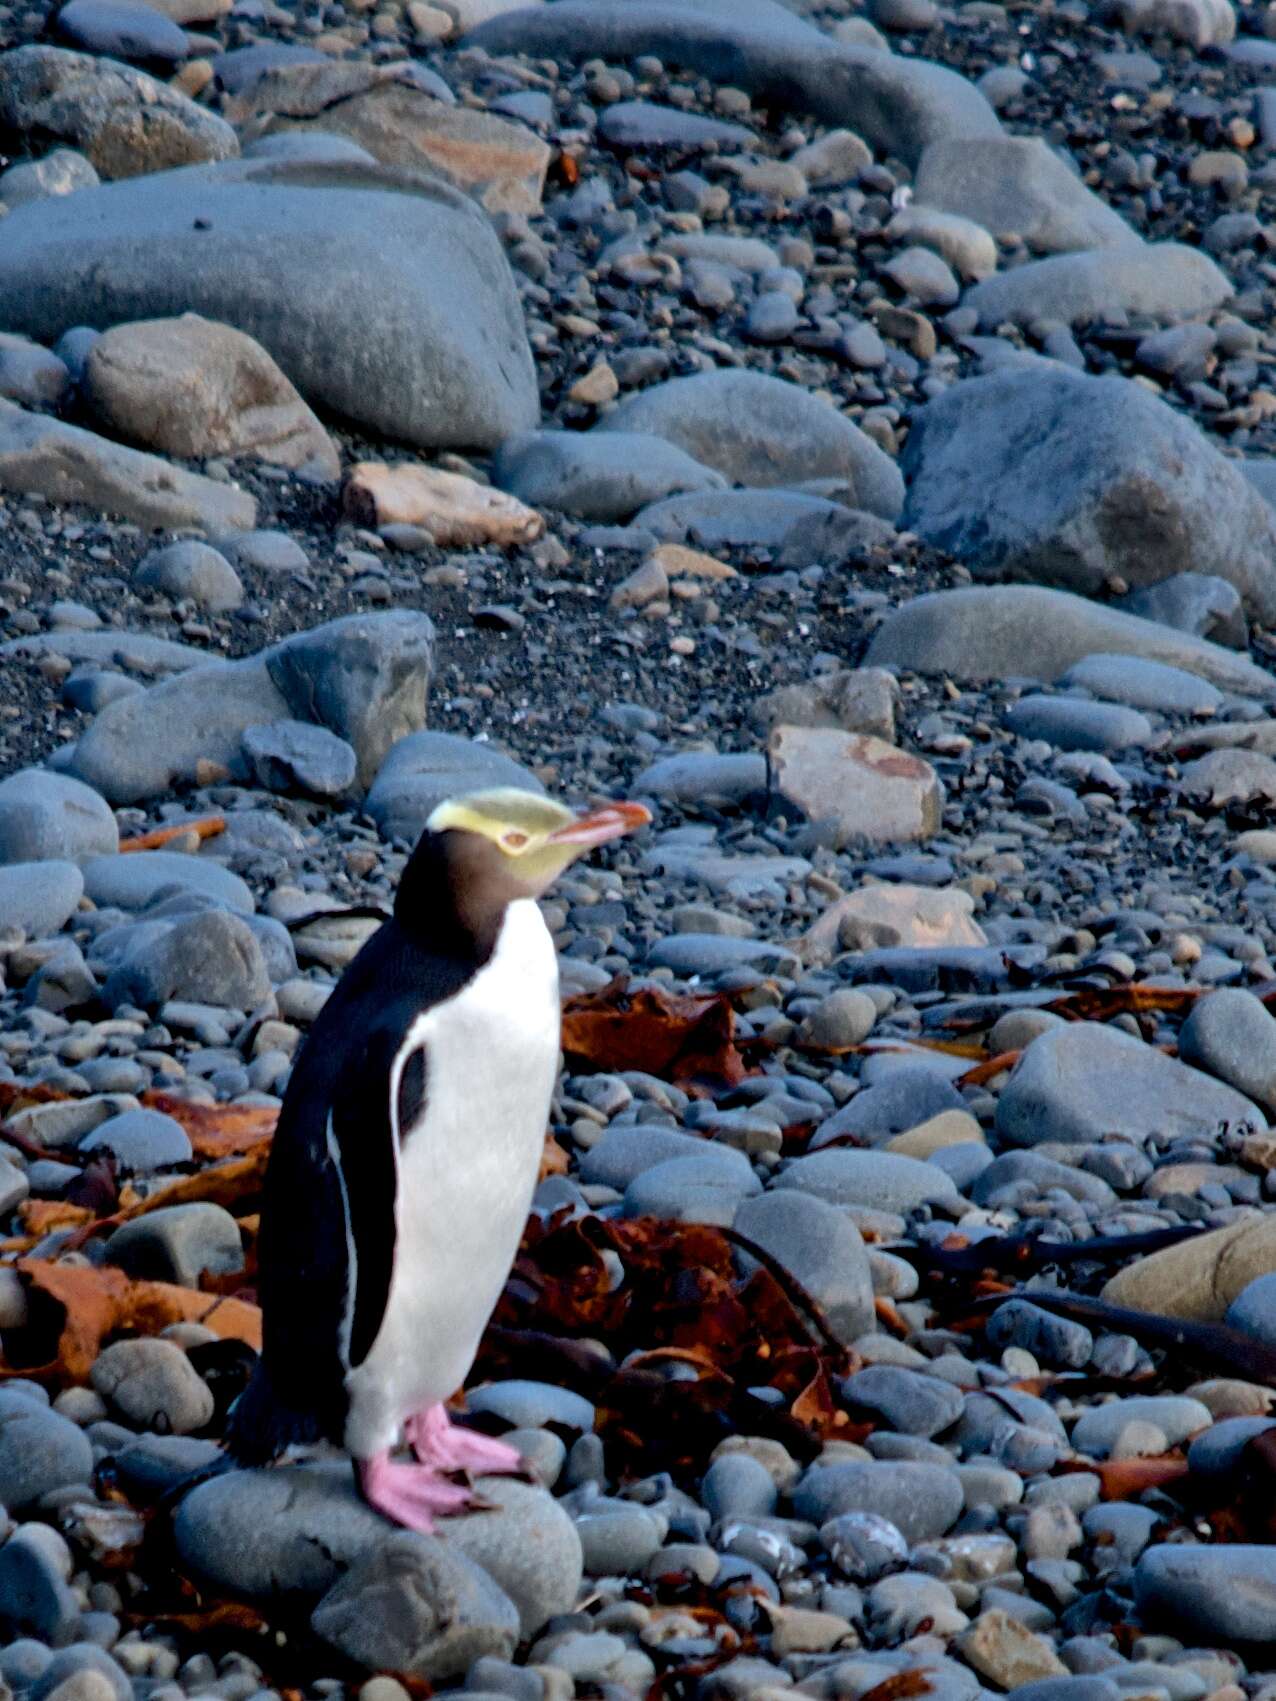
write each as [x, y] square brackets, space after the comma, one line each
[600, 826]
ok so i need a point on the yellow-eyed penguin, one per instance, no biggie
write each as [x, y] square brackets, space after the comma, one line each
[407, 1153]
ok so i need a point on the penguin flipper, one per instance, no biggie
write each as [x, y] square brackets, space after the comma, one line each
[325, 1255]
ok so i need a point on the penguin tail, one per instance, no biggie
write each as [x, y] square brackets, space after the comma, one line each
[262, 1423]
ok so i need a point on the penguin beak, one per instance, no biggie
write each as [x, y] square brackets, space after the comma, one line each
[600, 826]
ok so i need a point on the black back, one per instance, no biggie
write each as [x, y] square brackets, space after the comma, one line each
[332, 1170]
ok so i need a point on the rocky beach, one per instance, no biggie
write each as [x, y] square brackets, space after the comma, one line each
[849, 431]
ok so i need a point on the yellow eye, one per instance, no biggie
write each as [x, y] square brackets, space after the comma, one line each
[514, 841]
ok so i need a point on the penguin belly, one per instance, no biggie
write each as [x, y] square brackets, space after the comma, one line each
[466, 1174]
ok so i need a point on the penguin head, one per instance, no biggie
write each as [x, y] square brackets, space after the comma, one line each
[506, 843]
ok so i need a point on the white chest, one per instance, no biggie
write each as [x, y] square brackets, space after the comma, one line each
[466, 1177]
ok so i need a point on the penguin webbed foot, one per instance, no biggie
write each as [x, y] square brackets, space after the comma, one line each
[446, 1446]
[411, 1495]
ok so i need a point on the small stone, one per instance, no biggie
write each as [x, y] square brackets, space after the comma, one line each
[152, 1384]
[599, 386]
[39, 1452]
[194, 571]
[1007, 1653]
[458, 512]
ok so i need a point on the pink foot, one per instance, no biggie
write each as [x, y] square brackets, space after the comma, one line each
[412, 1495]
[444, 1445]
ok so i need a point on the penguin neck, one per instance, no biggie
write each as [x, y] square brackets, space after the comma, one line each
[444, 904]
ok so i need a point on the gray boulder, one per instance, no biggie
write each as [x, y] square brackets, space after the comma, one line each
[1200, 603]
[427, 767]
[415, 1606]
[45, 815]
[213, 957]
[365, 678]
[124, 27]
[1046, 475]
[1029, 632]
[124, 122]
[762, 431]
[1223, 1594]
[384, 295]
[294, 756]
[1018, 185]
[1164, 281]
[39, 897]
[1085, 1081]
[820, 1246]
[194, 570]
[127, 881]
[600, 476]
[896, 104]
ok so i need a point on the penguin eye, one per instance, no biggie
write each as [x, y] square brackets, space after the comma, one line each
[514, 840]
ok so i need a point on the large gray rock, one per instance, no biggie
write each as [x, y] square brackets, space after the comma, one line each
[600, 476]
[127, 881]
[1050, 476]
[383, 295]
[1085, 1081]
[123, 121]
[44, 815]
[1018, 185]
[922, 1500]
[46, 457]
[124, 27]
[1160, 280]
[427, 767]
[762, 431]
[1224, 1594]
[39, 897]
[822, 1248]
[898, 105]
[365, 677]
[1029, 632]
[415, 1606]
[527, 1543]
[211, 958]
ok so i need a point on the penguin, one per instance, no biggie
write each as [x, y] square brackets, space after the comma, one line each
[406, 1154]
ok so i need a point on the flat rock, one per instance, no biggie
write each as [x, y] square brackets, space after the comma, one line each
[390, 112]
[123, 28]
[762, 431]
[644, 124]
[598, 475]
[1226, 1594]
[295, 756]
[1018, 185]
[425, 768]
[1143, 684]
[1075, 723]
[878, 1181]
[64, 463]
[871, 790]
[137, 652]
[1006, 1652]
[124, 122]
[738, 519]
[1163, 281]
[457, 512]
[415, 1606]
[1078, 1083]
[1097, 1430]
[127, 881]
[897, 105]
[1200, 1278]
[1051, 476]
[1029, 632]
[46, 816]
[193, 388]
[443, 361]
[364, 677]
